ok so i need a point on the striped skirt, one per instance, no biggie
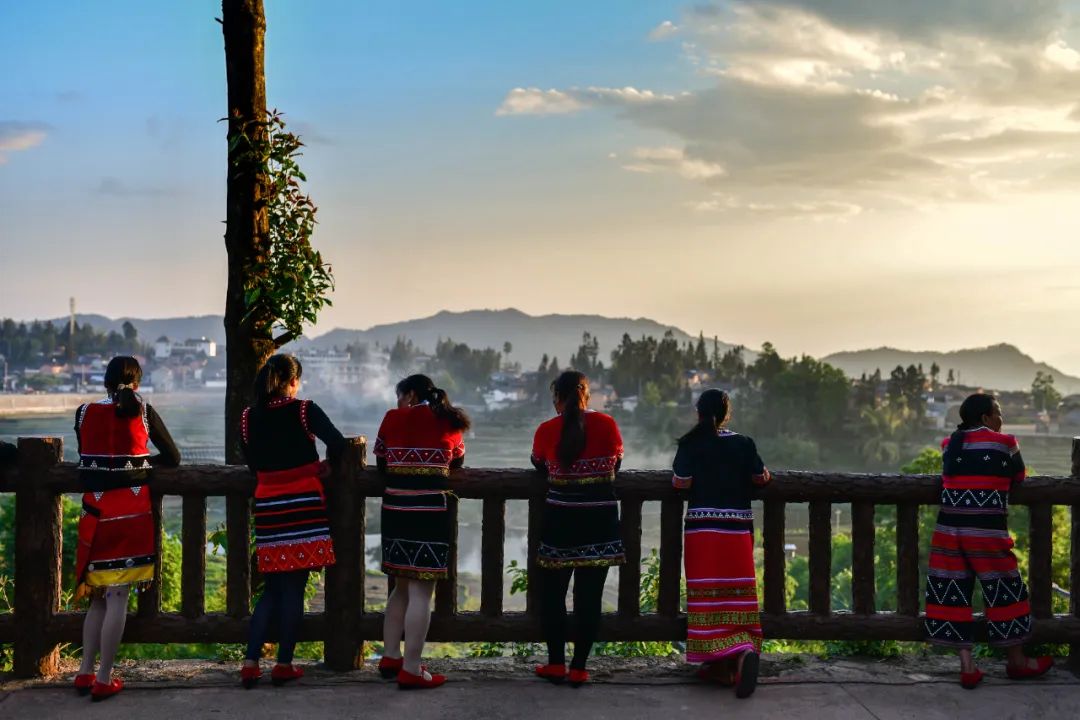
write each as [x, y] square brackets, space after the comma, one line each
[721, 595]
[291, 528]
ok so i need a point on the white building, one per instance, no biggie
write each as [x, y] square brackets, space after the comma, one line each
[165, 348]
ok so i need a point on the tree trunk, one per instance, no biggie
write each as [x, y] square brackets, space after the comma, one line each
[248, 342]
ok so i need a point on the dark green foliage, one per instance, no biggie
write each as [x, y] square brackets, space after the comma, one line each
[287, 284]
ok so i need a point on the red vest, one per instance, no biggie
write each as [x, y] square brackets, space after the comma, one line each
[415, 441]
[108, 442]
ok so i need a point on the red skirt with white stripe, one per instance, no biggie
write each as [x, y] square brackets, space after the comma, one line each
[721, 595]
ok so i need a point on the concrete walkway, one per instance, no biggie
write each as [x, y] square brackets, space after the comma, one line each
[624, 691]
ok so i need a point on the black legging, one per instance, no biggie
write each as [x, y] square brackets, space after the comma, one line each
[588, 594]
[282, 600]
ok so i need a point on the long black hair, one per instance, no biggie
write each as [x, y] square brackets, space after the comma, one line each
[122, 374]
[274, 376]
[571, 388]
[972, 411]
[425, 391]
[713, 408]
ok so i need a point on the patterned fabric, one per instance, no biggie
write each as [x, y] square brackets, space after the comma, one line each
[113, 451]
[972, 540]
[721, 596]
[581, 513]
[116, 528]
[116, 539]
[416, 448]
[291, 528]
[292, 531]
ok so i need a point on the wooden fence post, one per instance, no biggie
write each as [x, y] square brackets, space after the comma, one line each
[37, 558]
[345, 579]
[1074, 559]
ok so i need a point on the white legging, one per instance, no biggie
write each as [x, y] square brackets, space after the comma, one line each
[408, 613]
[102, 630]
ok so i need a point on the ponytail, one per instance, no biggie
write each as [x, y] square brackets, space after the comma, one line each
[713, 407]
[571, 388]
[972, 411]
[437, 400]
[274, 377]
[122, 376]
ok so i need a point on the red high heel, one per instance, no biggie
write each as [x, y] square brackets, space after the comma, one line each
[249, 676]
[1042, 664]
[282, 674]
[578, 677]
[969, 680]
[552, 673]
[407, 681]
[389, 667]
[101, 691]
[746, 678]
[83, 683]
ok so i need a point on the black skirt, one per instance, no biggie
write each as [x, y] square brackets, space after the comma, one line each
[581, 528]
[416, 534]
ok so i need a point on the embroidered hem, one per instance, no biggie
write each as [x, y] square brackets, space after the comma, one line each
[415, 573]
[549, 564]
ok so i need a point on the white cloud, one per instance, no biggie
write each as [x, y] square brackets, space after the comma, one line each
[673, 160]
[17, 136]
[851, 104]
[663, 31]
[534, 101]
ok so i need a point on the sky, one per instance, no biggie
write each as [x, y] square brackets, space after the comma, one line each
[822, 174]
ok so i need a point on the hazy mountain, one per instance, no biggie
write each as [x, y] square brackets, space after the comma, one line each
[531, 336]
[180, 328]
[999, 367]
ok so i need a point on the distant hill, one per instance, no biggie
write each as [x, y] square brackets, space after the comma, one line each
[531, 336]
[181, 328]
[998, 367]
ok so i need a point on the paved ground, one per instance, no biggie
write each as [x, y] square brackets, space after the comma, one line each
[807, 688]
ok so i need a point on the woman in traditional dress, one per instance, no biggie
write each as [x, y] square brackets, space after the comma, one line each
[971, 538]
[116, 531]
[579, 451]
[418, 444]
[292, 533]
[719, 469]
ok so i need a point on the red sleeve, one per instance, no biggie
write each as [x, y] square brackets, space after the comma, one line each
[380, 439]
[457, 445]
[616, 438]
[539, 449]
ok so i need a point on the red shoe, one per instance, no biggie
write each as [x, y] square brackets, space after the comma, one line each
[746, 678]
[83, 683]
[1042, 664]
[389, 667]
[970, 680]
[249, 676]
[282, 674]
[424, 681]
[578, 677]
[101, 691]
[552, 673]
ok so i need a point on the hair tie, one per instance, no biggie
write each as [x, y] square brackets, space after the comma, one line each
[123, 386]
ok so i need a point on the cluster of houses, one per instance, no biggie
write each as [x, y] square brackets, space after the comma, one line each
[170, 366]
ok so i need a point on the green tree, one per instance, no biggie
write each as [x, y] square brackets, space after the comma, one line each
[1044, 395]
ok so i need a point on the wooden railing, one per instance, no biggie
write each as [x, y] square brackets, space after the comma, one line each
[37, 625]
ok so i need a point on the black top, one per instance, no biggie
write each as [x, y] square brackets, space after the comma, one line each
[280, 435]
[720, 470]
[168, 454]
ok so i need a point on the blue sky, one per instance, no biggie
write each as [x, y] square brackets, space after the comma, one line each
[744, 168]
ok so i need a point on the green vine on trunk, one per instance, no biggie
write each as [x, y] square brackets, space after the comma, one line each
[287, 283]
